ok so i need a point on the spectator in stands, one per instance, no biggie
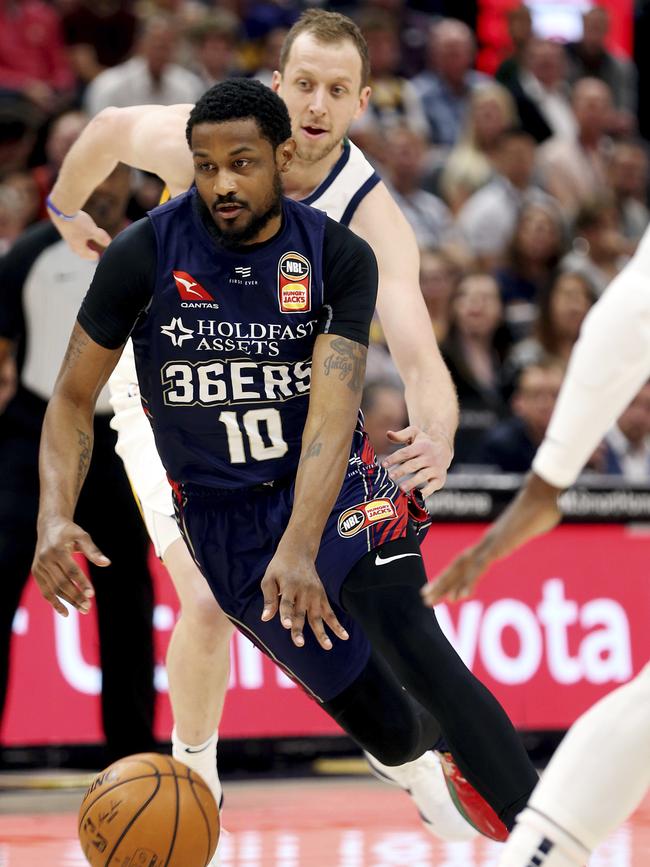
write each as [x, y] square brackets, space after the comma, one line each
[574, 170]
[384, 409]
[269, 58]
[470, 164]
[214, 45]
[63, 131]
[17, 210]
[19, 126]
[445, 88]
[533, 255]
[488, 219]
[428, 215]
[627, 445]
[394, 100]
[33, 60]
[599, 248]
[474, 351]
[28, 195]
[563, 306]
[541, 92]
[512, 444]
[438, 276]
[149, 77]
[627, 174]
[590, 58]
[99, 34]
[520, 30]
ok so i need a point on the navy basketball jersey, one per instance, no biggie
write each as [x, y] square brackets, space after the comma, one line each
[229, 335]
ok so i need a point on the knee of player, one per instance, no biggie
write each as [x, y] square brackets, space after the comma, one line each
[202, 611]
[395, 748]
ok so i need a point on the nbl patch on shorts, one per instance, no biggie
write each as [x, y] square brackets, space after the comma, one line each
[294, 283]
[358, 518]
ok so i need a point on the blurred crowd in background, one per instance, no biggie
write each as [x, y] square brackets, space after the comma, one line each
[527, 188]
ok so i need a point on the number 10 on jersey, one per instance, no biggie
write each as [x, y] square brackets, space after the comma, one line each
[248, 427]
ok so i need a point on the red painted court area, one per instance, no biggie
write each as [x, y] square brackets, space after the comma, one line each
[315, 823]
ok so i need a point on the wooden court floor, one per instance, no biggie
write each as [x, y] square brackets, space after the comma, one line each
[293, 823]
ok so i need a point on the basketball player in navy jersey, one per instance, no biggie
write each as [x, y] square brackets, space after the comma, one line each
[253, 395]
[323, 79]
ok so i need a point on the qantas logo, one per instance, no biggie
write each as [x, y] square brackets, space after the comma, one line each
[189, 289]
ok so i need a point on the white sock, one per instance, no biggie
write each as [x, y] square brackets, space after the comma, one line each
[537, 842]
[202, 758]
[601, 770]
[597, 777]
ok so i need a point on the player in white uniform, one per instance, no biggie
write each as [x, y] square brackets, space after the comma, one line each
[594, 781]
[324, 67]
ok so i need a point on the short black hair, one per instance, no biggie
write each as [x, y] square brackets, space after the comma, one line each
[238, 99]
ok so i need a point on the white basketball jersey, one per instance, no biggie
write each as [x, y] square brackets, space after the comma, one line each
[342, 191]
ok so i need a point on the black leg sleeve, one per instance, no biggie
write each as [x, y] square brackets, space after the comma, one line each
[19, 437]
[382, 717]
[384, 598]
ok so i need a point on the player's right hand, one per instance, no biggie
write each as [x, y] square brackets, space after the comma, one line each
[82, 235]
[291, 584]
[56, 571]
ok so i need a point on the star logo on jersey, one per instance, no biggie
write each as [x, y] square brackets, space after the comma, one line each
[189, 289]
[176, 331]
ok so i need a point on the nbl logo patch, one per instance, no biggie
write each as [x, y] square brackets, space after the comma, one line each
[294, 283]
[356, 519]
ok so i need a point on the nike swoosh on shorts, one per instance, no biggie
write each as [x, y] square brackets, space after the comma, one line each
[382, 561]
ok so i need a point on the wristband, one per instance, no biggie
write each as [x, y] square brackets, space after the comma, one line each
[67, 217]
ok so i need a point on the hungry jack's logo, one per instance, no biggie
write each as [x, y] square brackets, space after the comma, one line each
[356, 519]
[294, 283]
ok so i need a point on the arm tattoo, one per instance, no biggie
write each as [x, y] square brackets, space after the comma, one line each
[85, 452]
[76, 346]
[348, 361]
[312, 452]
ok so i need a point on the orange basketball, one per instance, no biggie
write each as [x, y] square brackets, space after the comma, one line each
[148, 811]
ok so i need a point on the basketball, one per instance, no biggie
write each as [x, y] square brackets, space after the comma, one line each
[148, 810]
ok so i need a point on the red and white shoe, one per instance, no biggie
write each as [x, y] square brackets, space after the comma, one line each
[425, 782]
[469, 803]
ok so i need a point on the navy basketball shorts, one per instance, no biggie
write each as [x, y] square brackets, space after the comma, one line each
[233, 535]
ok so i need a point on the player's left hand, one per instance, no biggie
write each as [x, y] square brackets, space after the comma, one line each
[533, 512]
[424, 457]
[291, 584]
[458, 579]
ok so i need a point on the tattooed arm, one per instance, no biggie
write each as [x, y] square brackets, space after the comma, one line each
[66, 449]
[338, 368]
[337, 374]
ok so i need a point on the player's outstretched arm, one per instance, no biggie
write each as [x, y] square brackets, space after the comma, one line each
[609, 364]
[430, 393]
[66, 449]
[534, 511]
[338, 368]
[148, 137]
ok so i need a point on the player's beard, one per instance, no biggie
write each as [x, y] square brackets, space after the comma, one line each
[317, 152]
[233, 237]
